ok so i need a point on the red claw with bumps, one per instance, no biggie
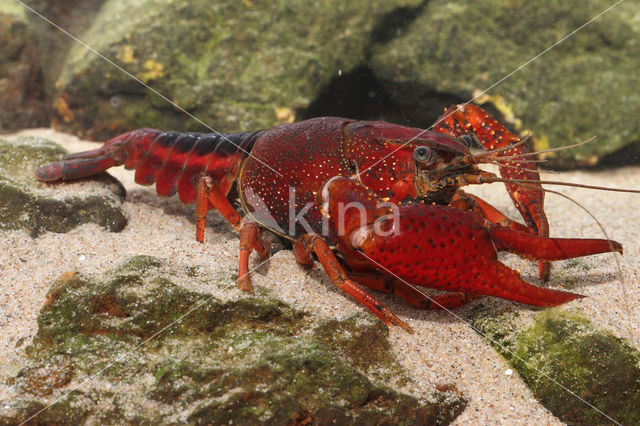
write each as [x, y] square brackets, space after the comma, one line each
[444, 248]
[414, 228]
[469, 119]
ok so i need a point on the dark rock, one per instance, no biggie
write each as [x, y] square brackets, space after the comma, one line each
[26, 203]
[42, 380]
[73, 16]
[22, 94]
[69, 410]
[363, 340]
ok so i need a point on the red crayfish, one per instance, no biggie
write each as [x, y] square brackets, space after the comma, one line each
[385, 197]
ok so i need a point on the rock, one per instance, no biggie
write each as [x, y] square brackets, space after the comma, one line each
[158, 353]
[561, 351]
[585, 86]
[235, 65]
[26, 203]
[21, 93]
[363, 340]
[74, 16]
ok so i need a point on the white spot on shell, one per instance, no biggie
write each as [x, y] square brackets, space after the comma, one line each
[359, 236]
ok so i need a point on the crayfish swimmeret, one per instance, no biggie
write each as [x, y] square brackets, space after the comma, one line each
[385, 197]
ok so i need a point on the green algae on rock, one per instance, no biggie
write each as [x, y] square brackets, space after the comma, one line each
[562, 348]
[585, 86]
[26, 203]
[236, 65]
[363, 340]
[246, 360]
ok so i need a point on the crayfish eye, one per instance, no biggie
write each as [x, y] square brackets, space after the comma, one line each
[423, 155]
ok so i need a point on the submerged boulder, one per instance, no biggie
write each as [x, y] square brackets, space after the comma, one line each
[235, 65]
[584, 86]
[22, 93]
[132, 346]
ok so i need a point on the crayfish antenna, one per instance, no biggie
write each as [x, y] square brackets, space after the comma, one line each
[544, 151]
[511, 166]
[523, 183]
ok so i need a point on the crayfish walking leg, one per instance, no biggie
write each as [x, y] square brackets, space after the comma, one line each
[409, 293]
[249, 233]
[311, 243]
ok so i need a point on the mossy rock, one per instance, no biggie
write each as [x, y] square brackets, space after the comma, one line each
[26, 203]
[158, 353]
[21, 91]
[235, 65]
[363, 340]
[585, 86]
[570, 365]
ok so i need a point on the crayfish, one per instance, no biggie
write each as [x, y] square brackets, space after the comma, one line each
[378, 204]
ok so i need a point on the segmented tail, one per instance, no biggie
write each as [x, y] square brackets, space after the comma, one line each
[174, 161]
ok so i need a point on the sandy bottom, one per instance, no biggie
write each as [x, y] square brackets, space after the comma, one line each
[444, 349]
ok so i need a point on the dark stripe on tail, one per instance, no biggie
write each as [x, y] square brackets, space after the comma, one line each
[149, 154]
[221, 144]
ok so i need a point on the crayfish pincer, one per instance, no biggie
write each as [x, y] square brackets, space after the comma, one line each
[386, 198]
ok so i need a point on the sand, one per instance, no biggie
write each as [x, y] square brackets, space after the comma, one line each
[444, 348]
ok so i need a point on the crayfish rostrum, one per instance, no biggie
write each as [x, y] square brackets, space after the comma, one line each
[386, 198]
